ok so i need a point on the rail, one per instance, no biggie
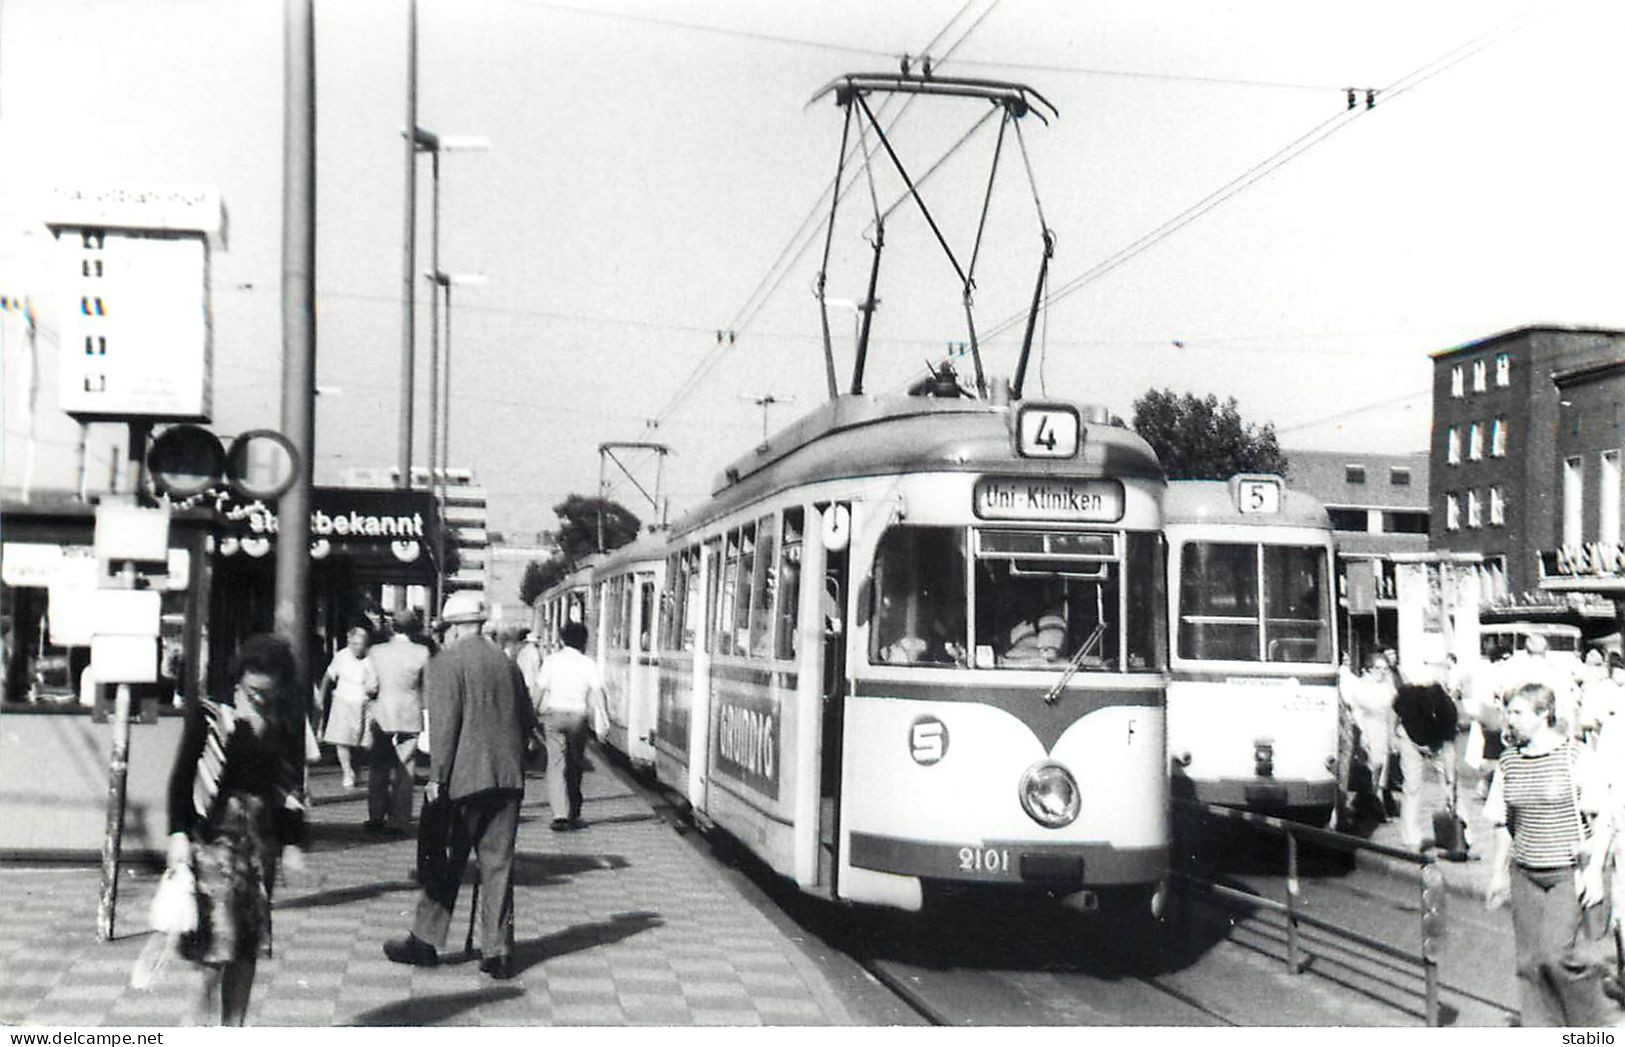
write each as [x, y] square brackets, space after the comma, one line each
[1431, 889]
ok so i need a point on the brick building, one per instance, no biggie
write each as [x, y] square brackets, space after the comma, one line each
[1378, 505]
[1494, 485]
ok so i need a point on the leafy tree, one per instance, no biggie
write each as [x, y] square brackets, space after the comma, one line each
[577, 538]
[1200, 438]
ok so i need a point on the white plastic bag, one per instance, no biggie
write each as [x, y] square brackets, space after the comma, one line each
[153, 960]
[174, 903]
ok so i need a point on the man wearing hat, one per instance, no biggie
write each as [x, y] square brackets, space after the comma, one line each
[480, 717]
[397, 717]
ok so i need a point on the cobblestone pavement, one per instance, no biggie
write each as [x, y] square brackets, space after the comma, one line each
[621, 923]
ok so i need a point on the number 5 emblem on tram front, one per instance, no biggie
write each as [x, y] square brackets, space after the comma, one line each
[928, 740]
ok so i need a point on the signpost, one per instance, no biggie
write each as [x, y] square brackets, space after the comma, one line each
[123, 650]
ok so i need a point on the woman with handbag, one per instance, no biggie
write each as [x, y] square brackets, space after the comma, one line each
[235, 815]
[1549, 863]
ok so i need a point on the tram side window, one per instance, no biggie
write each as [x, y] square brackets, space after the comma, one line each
[1218, 602]
[785, 646]
[714, 609]
[918, 615]
[646, 592]
[627, 596]
[740, 635]
[1045, 598]
[689, 594]
[1146, 616]
[1297, 625]
[728, 588]
[764, 580]
[671, 604]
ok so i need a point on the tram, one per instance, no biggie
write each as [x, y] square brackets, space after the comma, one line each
[1252, 689]
[570, 599]
[896, 652]
[625, 591]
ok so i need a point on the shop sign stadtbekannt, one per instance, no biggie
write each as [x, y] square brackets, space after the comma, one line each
[373, 525]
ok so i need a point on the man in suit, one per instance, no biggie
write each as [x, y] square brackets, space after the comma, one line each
[480, 717]
[397, 719]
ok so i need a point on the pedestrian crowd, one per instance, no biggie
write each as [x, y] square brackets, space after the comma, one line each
[1546, 737]
[478, 703]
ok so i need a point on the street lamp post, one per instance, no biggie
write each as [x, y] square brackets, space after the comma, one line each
[440, 397]
[421, 140]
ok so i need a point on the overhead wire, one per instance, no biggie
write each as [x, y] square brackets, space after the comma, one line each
[1258, 171]
[808, 236]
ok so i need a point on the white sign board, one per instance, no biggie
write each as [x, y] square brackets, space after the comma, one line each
[1047, 431]
[134, 325]
[124, 659]
[1021, 498]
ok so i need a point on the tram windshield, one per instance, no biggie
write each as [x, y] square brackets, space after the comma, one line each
[1245, 602]
[1039, 599]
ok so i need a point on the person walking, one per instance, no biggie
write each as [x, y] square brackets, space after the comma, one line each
[568, 688]
[1426, 742]
[1549, 863]
[348, 685]
[480, 717]
[235, 815]
[528, 657]
[396, 722]
[1370, 698]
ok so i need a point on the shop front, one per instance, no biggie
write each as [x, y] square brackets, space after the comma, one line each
[55, 737]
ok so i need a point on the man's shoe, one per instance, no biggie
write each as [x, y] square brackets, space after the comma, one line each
[374, 826]
[499, 967]
[577, 823]
[412, 950]
[560, 824]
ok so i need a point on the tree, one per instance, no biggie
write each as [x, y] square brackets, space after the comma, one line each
[1199, 438]
[577, 538]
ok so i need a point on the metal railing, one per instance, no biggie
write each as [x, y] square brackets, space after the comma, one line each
[1431, 889]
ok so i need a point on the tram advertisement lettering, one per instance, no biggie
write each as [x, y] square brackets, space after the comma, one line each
[748, 744]
[1015, 498]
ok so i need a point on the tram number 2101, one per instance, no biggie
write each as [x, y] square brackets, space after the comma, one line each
[984, 859]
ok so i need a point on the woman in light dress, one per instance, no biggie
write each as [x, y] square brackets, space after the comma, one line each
[352, 682]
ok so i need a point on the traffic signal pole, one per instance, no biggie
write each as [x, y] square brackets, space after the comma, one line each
[292, 615]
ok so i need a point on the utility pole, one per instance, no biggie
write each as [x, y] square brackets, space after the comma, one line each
[292, 614]
[409, 271]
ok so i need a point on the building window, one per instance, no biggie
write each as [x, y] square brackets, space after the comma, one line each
[1608, 499]
[1475, 441]
[1498, 438]
[1503, 369]
[1457, 384]
[1573, 491]
[1399, 476]
[1480, 375]
[1452, 446]
[1354, 474]
[1475, 511]
[1498, 507]
[1348, 519]
[1405, 521]
[1452, 513]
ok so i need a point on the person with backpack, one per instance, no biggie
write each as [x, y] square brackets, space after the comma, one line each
[1426, 740]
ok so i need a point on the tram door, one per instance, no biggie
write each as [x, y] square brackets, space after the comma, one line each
[835, 629]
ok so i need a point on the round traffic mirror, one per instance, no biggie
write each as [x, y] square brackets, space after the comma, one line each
[261, 464]
[185, 460]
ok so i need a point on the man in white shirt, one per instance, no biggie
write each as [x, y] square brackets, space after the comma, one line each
[567, 689]
[397, 718]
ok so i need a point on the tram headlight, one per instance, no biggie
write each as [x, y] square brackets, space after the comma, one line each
[1049, 795]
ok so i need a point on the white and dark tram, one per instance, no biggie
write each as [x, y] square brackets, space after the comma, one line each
[1252, 689]
[913, 643]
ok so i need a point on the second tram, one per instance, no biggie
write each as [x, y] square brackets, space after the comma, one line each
[1252, 691]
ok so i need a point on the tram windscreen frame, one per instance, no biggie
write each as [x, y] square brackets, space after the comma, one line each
[1034, 597]
[1255, 602]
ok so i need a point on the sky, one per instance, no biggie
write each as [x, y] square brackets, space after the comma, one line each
[1223, 222]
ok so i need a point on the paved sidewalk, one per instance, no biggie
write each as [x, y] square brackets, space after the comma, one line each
[622, 923]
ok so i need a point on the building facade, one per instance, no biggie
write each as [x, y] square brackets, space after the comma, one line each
[1378, 505]
[1581, 551]
[1494, 482]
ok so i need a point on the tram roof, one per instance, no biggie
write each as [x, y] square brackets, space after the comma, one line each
[857, 436]
[1214, 502]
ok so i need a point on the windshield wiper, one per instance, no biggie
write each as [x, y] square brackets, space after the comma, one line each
[1091, 643]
